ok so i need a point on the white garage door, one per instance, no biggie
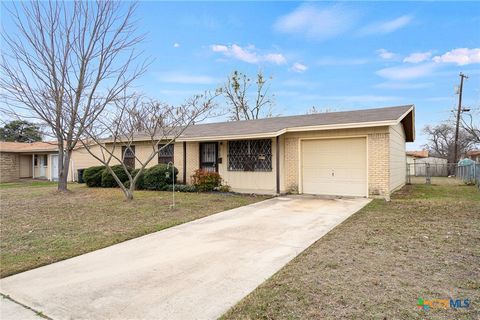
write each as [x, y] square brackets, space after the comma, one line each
[334, 167]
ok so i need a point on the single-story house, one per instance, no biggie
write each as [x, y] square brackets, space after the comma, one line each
[37, 160]
[474, 155]
[417, 162]
[352, 153]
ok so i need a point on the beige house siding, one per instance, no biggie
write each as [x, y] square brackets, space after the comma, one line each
[25, 166]
[9, 167]
[193, 159]
[378, 156]
[247, 181]
[397, 157]
[178, 160]
[82, 159]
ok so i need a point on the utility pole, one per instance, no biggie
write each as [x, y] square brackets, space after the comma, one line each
[459, 111]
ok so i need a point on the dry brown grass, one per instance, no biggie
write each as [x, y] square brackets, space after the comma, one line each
[425, 243]
[40, 226]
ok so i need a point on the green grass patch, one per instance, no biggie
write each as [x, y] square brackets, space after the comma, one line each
[425, 243]
[41, 226]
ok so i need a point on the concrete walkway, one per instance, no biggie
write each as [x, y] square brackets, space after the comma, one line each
[197, 270]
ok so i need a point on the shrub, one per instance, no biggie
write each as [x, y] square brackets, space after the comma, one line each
[155, 178]
[140, 185]
[224, 188]
[205, 180]
[182, 188]
[107, 179]
[93, 176]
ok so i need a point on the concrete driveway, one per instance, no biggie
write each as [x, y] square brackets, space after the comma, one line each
[197, 270]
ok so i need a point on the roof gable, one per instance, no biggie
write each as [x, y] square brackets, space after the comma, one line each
[331, 120]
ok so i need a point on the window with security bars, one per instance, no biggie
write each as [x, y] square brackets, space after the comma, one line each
[166, 154]
[250, 155]
[128, 156]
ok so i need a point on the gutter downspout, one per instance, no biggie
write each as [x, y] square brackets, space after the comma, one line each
[184, 162]
[277, 163]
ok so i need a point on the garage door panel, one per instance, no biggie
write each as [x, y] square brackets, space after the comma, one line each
[334, 166]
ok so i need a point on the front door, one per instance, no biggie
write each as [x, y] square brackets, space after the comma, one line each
[42, 165]
[208, 156]
[54, 167]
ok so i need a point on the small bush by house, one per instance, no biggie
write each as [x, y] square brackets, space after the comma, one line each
[93, 176]
[182, 188]
[139, 183]
[159, 177]
[205, 180]
[108, 181]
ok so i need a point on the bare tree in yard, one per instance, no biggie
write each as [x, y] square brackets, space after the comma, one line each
[441, 140]
[65, 63]
[315, 110]
[161, 124]
[470, 122]
[237, 91]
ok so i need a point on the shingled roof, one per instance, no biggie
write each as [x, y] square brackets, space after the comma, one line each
[271, 127]
[24, 147]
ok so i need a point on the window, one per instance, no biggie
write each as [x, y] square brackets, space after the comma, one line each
[128, 156]
[250, 155]
[208, 156]
[166, 154]
[45, 160]
[35, 160]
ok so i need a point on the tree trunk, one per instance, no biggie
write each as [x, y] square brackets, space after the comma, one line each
[63, 166]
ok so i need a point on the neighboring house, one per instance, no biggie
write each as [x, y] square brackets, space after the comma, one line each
[474, 155]
[417, 162]
[353, 153]
[412, 157]
[37, 160]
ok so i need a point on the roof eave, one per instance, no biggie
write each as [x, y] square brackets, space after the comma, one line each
[291, 129]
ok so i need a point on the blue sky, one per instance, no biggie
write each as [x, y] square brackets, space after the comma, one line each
[341, 56]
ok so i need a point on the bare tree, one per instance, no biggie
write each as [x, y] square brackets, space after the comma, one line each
[160, 123]
[315, 110]
[441, 140]
[237, 91]
[470, 122]
[65, 63]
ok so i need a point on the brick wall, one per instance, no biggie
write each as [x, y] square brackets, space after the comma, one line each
[193, 159]
[9, 167]
[378, 156]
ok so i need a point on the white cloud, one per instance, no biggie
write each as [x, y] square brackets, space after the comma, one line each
[299, 67]
[184, 78]
[176, 45]
[460, 56]
[315, 22]
[383, 27]
[275, 58]
[406, 72]
[248, 54]
[219, 48]
[385, 54]
[418, 57]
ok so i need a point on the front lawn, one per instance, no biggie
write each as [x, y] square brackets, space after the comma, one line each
[40, 226]
[425, 243]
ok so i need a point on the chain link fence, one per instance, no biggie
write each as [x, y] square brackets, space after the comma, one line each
[447, 173]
